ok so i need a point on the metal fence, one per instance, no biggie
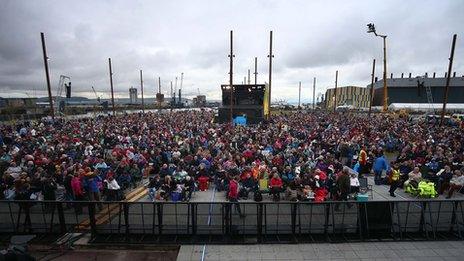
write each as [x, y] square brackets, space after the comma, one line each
[219, 222]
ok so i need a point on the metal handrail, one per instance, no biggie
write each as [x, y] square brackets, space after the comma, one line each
[219, 222]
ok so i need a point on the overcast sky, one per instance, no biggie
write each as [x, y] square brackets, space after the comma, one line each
[165, 38]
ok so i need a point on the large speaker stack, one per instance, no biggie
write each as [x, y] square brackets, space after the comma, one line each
[247, 100]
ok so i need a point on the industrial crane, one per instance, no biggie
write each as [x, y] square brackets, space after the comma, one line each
[58, 99]
[96, 96]
[98, 100]
[63, 80]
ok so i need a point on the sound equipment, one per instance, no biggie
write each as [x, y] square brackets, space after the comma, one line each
[247, 101]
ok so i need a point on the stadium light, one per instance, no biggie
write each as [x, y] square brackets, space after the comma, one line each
[371, 29]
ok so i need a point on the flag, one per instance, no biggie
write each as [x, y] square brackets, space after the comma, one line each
[266, 104]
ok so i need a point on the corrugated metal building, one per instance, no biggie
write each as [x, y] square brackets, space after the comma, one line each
[407, 90]
[348, 95]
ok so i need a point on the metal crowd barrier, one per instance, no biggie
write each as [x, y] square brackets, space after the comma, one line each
[219, 222]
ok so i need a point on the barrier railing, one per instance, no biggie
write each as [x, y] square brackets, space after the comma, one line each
[219, 222]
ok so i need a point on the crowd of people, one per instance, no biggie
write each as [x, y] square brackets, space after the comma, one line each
[298, 156]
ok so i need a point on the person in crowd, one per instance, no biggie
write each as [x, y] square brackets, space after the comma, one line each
[233, 196]
[189, 188]
[288, 175]
[275, 187]
[113, 189]
[362, 159]
[136, 175]
[294, 191]
[248, 184]
[78, 192]
[414, 177]
[153, 187]
[354, 184]
[167, 187]
[456, 183]
[444, 179]
[380, 165]
[92, 189]
[343, 186]
[394, 180]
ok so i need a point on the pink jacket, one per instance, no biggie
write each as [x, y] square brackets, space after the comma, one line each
[76, 186]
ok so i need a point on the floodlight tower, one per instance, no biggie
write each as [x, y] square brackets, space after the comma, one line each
[371, 29]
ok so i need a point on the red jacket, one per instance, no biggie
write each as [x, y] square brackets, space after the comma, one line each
[233, 189]
[276, 182]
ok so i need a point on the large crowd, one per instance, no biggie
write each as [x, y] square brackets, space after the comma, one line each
[298, 156]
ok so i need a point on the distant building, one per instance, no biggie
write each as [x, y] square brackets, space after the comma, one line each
[17, 102]
[413, 90]
[199, 101]
[355, 96]
[133, 95]
[159, 98]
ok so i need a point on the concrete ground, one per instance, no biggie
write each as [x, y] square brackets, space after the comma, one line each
[423, 251]
[106, 255]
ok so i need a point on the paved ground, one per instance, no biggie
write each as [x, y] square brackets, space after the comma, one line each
[423, 251]
[106, 255]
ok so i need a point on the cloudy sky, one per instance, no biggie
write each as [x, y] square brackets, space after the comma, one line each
[165, 38]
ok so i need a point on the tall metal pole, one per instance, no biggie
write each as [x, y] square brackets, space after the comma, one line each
[111, 84]
[181, 79]
[450, 68]
[299, 95]
[231, 81]
[371, 93]
[180, 88]
[47, 76]
[385, 91]
[249, 76]
[141, 89]
[175, 90]
[256, 70]
[159, 91]
[314, 93]
[336, 83]
[270, 71]
[175, 85]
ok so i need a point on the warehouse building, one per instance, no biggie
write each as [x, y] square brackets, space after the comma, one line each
[414, 90]
[355, 96]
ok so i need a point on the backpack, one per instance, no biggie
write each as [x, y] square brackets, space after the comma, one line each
[257, 196]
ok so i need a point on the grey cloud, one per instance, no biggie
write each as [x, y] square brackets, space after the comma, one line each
[311, 39]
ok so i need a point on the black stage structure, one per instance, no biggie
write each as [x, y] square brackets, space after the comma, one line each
[247, 100]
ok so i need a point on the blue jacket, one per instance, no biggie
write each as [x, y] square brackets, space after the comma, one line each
[92, 185]
[380, 164]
